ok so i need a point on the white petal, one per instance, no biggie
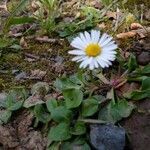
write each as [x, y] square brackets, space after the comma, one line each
[84, 63]
[87, 36]
[77, 58]
[95, 35]
[106, 41]
[101, 63]
[78, 43]
[77, 52]
[82, 59]
[107, 62]
[103, 38]
[110, 43]
[110, 47]
[91, 65]
[96, 63]
[111, 52]
[109, 57]
[89, 60]
[83, 39]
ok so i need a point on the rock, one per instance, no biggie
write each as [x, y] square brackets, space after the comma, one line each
[143, 58]
[107, 137]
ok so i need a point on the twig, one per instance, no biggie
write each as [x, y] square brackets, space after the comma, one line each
[31, 56]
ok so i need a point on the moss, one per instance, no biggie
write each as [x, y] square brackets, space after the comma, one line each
[12, 58]
[2, 83]
[46, 52]
[12, 4]
[131, 3]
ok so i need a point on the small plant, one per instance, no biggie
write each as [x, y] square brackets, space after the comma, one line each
[13, 101]
[47, 13]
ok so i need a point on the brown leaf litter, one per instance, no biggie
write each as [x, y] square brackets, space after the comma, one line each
[19, 134]
[141, 32]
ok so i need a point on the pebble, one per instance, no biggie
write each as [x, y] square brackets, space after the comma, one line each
[107, 137]
[143, 58]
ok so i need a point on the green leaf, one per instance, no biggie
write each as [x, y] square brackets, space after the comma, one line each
[33, 101]
[139, 95]
[72, 146]
[4, 43]
[91, 12]
[137, 79]
[114, 112]
[123, 108]
[60, 114]
[65, 83]
[51, 104]
[41, 114]
[15, 47]
[146, 84]
[132, 64]
[79, 128]
[15, 99]
[73, 97]
[85, 146]
[89, 107]
[77, 78]
[3, 100]
[5, 116]
[54, 146]
[60, 132]
[16, 106]
[17, 9]
[40, 88]
[20, 20]
[78, 143]
[146, 69]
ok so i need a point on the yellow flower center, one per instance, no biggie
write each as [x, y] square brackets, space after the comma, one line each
[93, 50]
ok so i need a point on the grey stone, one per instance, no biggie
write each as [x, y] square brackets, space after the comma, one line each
[107, 137]
[143, 58]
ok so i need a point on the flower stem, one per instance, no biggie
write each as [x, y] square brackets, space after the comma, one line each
[91, 76]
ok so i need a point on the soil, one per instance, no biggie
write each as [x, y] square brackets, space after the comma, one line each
[138, 126]
[20, 135]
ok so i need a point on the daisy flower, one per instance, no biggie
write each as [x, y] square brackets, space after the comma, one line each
[93, 50]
